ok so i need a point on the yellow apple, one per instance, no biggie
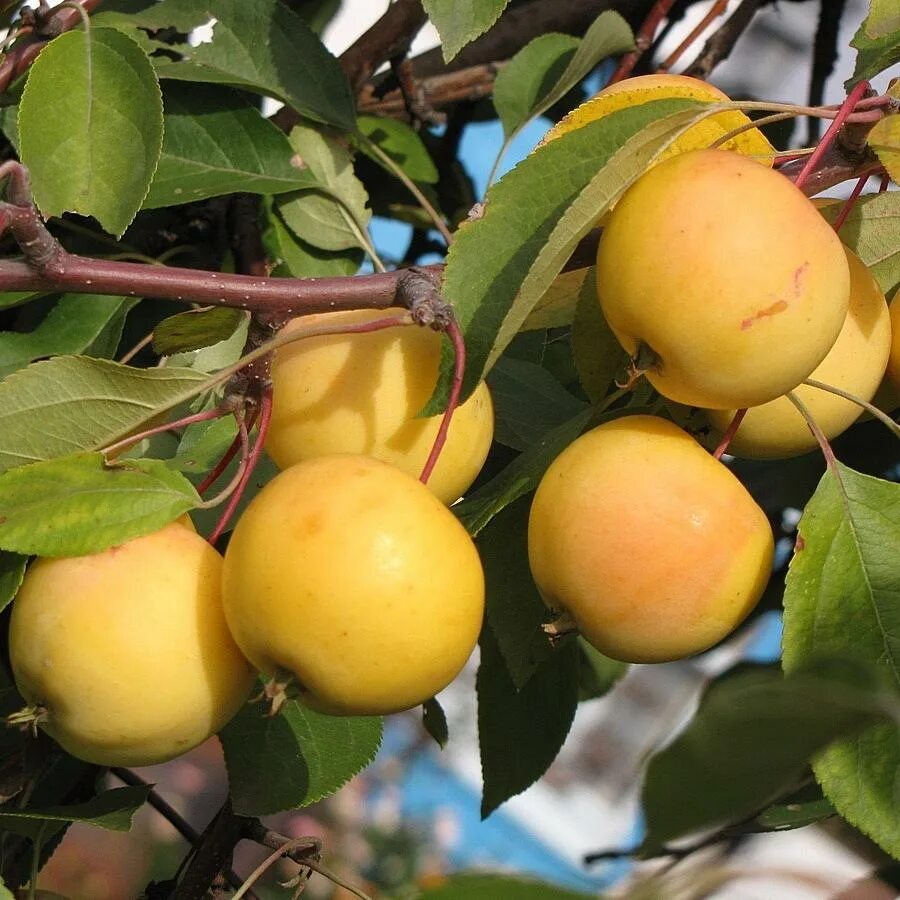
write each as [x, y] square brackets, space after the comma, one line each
[893, 366]
[349, 575]
[127, 650]
[362, 393]
[651, 546]
[855, 363]
[725, 276]
[644, 88]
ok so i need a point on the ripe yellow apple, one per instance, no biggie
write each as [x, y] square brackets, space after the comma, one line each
[644, 88]
[362, 393]
[893, 366]
[651, 545]
[128, 650]
[855, 363]
[349, 575]
[726, 276]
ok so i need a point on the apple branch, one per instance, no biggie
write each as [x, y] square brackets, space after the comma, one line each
[643, 39]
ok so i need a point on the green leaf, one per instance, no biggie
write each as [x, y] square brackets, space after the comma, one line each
[152, 15]
[89, 324]
[63, 405]
[499, 887]
[91, 126]
[202, 445]
[308, 756]
[597, 674]
[521, 732]
[870, 231]
[750, 740]
[500, 265]
[78, 505]
[528, 402]
[435, 722]
[459, 22]
[529, 76]
[113, 810]
[514, 609]
[195, 329]
[877, 42]
[263, 46]
[12, 571]
[800, 808]
[557, 306]
[401, 144]
[333, 216]
[520, 477]
[216, 142]
[5, 892]
[842, 597]
[294, 258]
[597, 354]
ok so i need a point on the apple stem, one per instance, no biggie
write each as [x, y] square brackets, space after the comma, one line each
[885, 183]
[850, 202]
[882, 416]
[837, 123]
[818, 434]
[459, 368]
[265, 416]
[204, 416]
[719, 8]
[229, 454]
[643, 39]
[243, 437]
[731, 431]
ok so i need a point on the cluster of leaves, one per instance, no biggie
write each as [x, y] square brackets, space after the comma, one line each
[119, 125]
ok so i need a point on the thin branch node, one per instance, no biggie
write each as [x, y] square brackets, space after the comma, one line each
[419, 292]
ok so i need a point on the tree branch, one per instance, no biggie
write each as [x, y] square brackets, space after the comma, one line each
[825, 54]
[720, 45]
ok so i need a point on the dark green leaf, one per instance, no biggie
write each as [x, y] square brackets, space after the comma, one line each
[435, 722]
[68, 404]
[751, 738]
[528, 402]
[787, 816]
[294, 258]
[308, 756]
[12, 570]
[195, 329]
[499, 887]
[263, 46]
[153, 14]
[88, 324]
[521, 732]
[216, 142]
[91, 127]
[461, 21]
[77, 505]
[842, 597]
[112, 810]
[401, 144]
[502, 264]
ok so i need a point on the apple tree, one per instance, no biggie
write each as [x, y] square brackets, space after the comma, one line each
[185, 279]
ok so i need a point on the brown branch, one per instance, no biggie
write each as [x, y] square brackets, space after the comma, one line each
[643, 39]
[720, 45]
[26, 51]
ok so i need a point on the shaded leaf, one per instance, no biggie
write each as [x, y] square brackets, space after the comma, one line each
[750, 740]
[295, 258]
[401, 144]
[91, 127]
[308, 756]
[12, 570]
[521, 732]
[152, 15]
[597, 674]
[77, 505]
[89, 324]
[63, 405]
[195, 329]
[263, 46]
[842, 597]
[499, 887]
[598, 356]
[557, 305]
[877, 42]
[216, 142]
[435, 722]
[459, 22]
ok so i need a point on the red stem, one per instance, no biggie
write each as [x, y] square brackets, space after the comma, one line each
[885, 183]
[728, 437]
[850, 202]
[717, 9]
[643, 39]
[239, 441]
[459, 369]
[205, 416]
[265, 416]
[845, 110]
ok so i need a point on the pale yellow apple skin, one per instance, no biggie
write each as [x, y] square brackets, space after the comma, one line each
[362, 393]
[728, 274]
[651, 545]
[893, 366]
[128, 649]
[856, 364]
[644, 88]
[350, 575]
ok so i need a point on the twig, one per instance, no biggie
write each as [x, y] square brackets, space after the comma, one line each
[825, 55]
[850, 202]
[871, 408]
[133, 352]
[643, 39]
[818, 434]
[238, 482]
[717, 9]
[205, 416]
[229, 454]
[730, 432]
[720, 44]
